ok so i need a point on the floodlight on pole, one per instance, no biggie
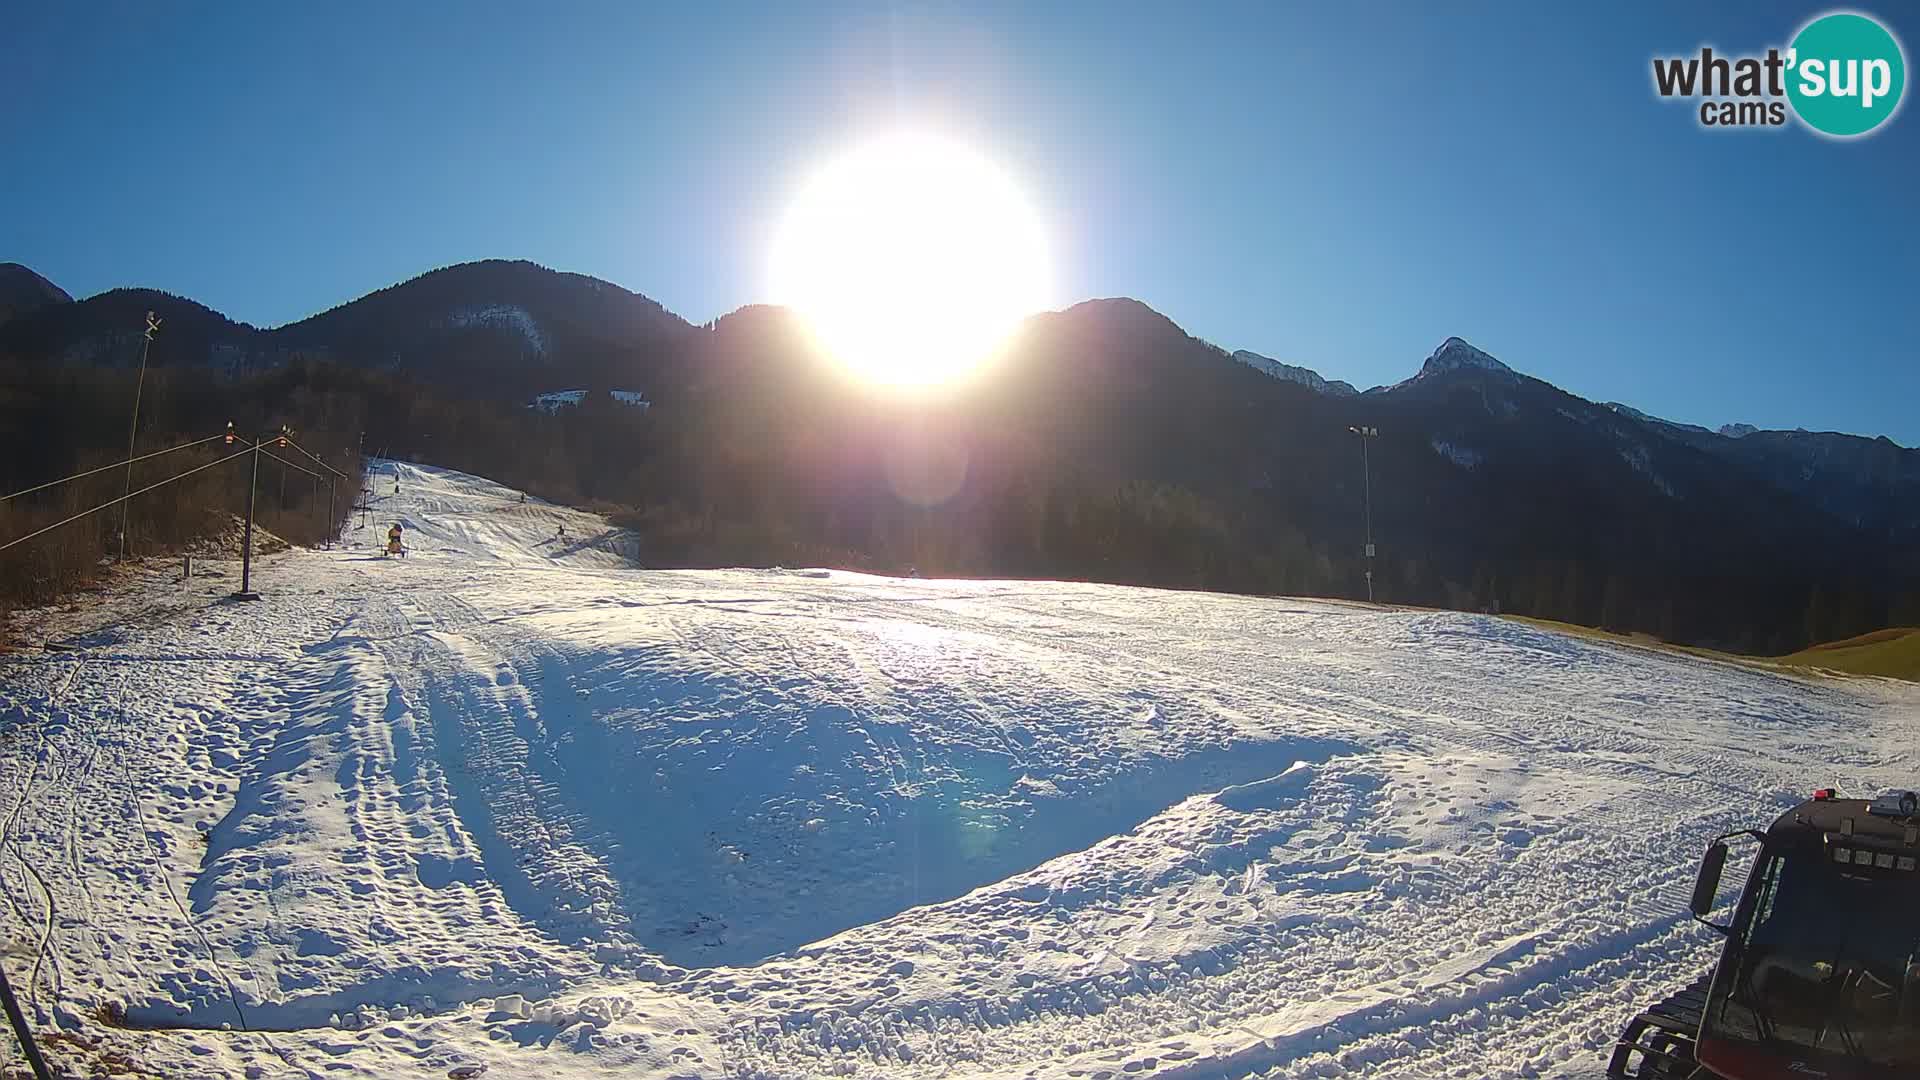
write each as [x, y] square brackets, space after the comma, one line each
[1367, 433]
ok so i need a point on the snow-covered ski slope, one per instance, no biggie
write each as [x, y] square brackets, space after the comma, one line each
[509, 802]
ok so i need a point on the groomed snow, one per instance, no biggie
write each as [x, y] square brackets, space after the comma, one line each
[509, 802]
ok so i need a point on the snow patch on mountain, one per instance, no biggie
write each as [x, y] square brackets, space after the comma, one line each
[1649, 418]
[555, 400]
[1306, 377]
[1463, 456]
[1640, 460]
[1454, 354]
[1730, 431]
[506, 316]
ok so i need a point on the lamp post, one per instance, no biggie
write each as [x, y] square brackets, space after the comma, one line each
[1366, 486]
[133, 431]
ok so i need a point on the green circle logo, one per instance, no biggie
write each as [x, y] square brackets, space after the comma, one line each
[1845, 74]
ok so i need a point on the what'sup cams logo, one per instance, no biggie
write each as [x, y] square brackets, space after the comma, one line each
[1843, 76]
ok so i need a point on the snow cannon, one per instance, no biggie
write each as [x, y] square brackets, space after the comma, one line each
[1819, 974]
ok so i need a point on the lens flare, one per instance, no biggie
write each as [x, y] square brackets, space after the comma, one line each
[911, 258]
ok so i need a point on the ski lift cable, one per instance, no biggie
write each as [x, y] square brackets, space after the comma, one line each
[316, 458]
[291, 465]
[115, 465]
[123, 498]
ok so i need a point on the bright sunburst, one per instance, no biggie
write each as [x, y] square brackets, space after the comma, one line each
[912, 258]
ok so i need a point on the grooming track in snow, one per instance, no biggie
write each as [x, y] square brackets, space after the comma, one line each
[513, 802]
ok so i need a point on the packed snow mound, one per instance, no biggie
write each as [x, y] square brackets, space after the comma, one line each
[515, 804]
[733, 789]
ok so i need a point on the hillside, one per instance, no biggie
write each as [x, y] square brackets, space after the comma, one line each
[492, 328]
[1894, 653]
[23, 292]
[1110, 444]
[1106, 443]
[1873, 483]
[508, 803]
[503, 327]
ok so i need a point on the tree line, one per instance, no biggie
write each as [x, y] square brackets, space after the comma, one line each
[1115, 451]
[58, 421]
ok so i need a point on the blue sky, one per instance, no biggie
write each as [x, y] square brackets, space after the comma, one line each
[1340, 186]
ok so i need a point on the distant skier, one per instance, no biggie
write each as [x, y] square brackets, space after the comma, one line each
[394, 547]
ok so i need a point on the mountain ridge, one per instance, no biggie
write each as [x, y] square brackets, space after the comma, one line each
[1306, 377]
[512, 323]
[308, 337]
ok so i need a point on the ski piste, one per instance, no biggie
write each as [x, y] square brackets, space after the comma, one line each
[512, 803]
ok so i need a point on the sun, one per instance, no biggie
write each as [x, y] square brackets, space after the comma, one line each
[912, 258]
